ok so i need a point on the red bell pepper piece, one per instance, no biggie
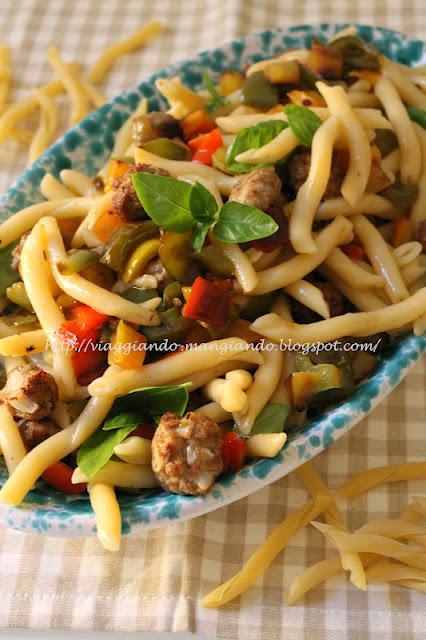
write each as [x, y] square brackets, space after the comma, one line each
[277, 239]
[59, 475]
[208, 302]
[82, 332]
[85, 324]
[89, 364]
[354, 251]
[204, 146]
[234, 450]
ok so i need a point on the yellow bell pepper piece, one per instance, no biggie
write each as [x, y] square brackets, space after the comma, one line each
[139, 259]
[127, 347]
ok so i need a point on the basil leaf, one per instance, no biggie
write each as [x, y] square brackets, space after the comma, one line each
[199, 233]
[127, 419]
[217, 100]
[271, 419]
[417, 115]
[202, 204]
[303, 122]
[252, 138]
[7, 275]
[242, 223]
[166, 200]
[95, 452]
[151, 402]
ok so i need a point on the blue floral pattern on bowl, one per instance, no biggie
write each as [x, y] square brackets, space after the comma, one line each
[86, 147]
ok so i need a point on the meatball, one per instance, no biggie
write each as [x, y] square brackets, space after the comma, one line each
[33, 433]
[156, 124]
[333, 298]
[260, 188]
[30, 393]
[298, 168]
[125, 202]
[186, 453]
[420, 234]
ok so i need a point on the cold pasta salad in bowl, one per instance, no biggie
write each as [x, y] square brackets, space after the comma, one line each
[242, 261]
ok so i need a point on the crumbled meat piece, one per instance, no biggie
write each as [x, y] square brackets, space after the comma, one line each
[155, 124]
[125, 202]
[156, 268]
[33, 433]
[260, 188]
[420, 234]
[16, 253]
[298, 169]
[30, 393]
[333, 297]
[186, 453]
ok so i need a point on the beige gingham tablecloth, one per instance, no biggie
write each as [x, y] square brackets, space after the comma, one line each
[156, 580]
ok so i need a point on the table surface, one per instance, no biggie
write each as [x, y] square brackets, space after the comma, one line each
[154, 583]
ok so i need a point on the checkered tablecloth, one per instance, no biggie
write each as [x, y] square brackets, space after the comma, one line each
[156, 580]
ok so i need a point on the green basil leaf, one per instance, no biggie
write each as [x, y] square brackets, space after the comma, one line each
[242, 223]
[166, 200]
[95, 452]
[271, 419]
[199, 233]
[127, 419]
[217, 100]
[252, 138]
[151, 402]
[417, 115]
[7, 275]
[303, 122]
[202, 204]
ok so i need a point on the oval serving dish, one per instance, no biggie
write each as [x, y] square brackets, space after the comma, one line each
[85, 147]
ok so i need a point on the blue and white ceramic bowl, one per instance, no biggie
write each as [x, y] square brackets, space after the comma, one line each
[86, 147]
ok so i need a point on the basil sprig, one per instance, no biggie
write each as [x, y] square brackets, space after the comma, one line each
[303, 122]
[147, 404]
[179, 206]
[252, 138]
[216, 101]
[271, 419]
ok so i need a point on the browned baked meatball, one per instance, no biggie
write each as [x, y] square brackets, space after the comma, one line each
[260, 188]
[333, 298]
[420, 234]
[298, 168]
[125, 202]
[155, 124]
[186, 453]
[30, 393]
[33, 433]
[156, 268]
